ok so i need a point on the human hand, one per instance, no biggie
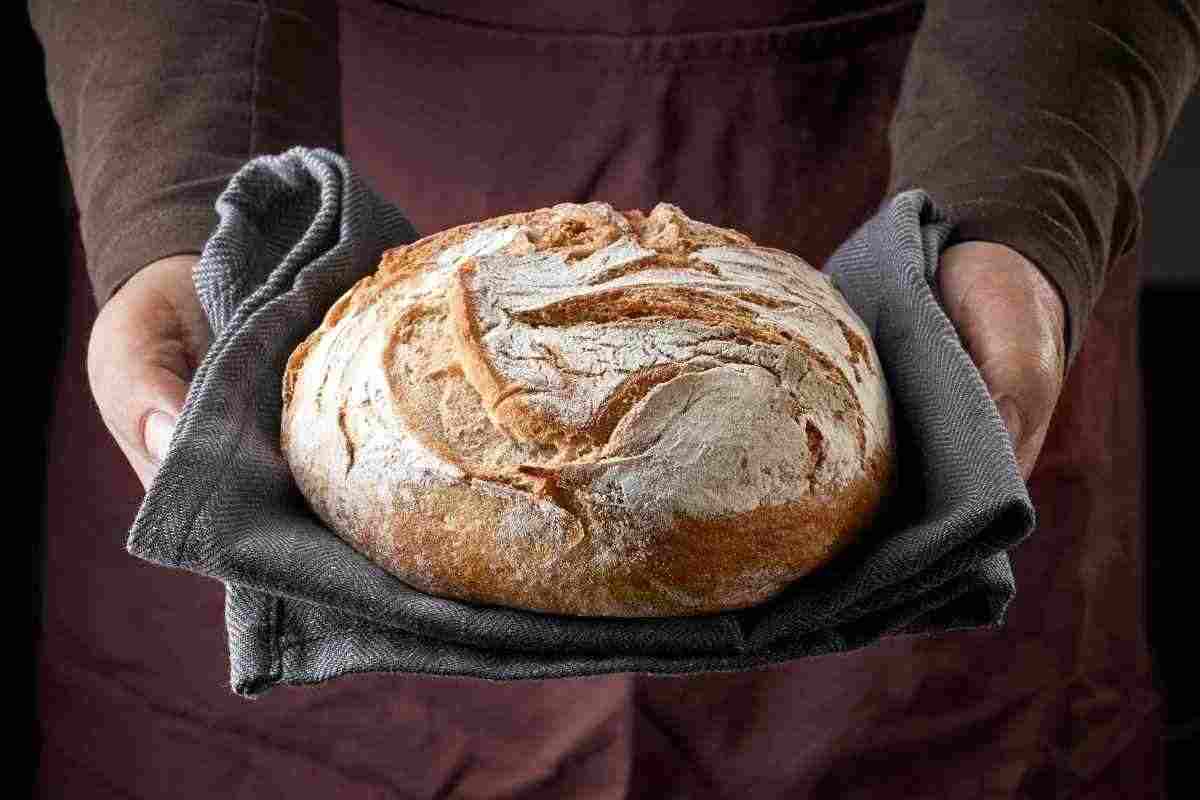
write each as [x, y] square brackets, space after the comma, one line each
[144, 348]
[1012, 322]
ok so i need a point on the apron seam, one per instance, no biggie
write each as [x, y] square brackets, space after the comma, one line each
[820, 39]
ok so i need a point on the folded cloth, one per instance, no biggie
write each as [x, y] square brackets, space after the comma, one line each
[298, 229]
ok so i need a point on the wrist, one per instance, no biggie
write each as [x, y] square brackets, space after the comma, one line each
[176, 264]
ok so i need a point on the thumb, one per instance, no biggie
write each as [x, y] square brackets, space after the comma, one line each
[141, 356]
[161, 392]
[1011, 321]
[157, 430]
[1011, 412]
[138, 381]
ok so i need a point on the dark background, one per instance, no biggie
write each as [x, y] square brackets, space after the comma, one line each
[1169, 299]
[1170, 294]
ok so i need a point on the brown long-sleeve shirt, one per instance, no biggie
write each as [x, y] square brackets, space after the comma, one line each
[1033, 122]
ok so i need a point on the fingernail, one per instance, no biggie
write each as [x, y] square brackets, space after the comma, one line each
[159, 428]
[1012, 420]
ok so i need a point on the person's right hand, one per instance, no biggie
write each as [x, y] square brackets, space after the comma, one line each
[144, 348]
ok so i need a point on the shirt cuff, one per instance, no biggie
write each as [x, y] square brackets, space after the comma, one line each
[152, 235]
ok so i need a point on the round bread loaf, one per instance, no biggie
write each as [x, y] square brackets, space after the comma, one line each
[581, 411]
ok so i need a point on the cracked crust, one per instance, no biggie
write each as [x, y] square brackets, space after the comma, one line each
[581, 411]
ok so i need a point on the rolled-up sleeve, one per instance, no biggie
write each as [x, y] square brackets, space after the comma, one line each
[159, 103]
[1034, 123]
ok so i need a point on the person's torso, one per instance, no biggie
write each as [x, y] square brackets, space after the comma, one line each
[766, 117]
[646, 17]
[772, 118]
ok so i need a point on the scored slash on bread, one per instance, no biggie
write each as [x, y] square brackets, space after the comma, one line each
[582, 411]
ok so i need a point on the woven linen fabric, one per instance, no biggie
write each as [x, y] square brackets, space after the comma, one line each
[299, 229]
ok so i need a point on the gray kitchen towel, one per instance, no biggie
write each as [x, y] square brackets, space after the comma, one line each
[298, 229]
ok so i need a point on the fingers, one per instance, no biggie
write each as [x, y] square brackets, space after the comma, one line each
[142, 352]
[1011, 321]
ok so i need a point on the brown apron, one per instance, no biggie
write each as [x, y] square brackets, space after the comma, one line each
[771, 118]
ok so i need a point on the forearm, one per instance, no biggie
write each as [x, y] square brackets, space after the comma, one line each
[1035, 123]
[159, 103]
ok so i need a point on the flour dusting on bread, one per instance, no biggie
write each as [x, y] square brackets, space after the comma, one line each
[583, 411]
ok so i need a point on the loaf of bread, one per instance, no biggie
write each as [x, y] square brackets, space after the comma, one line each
[581, 411]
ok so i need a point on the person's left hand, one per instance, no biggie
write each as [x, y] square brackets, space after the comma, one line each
[1012, 322]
